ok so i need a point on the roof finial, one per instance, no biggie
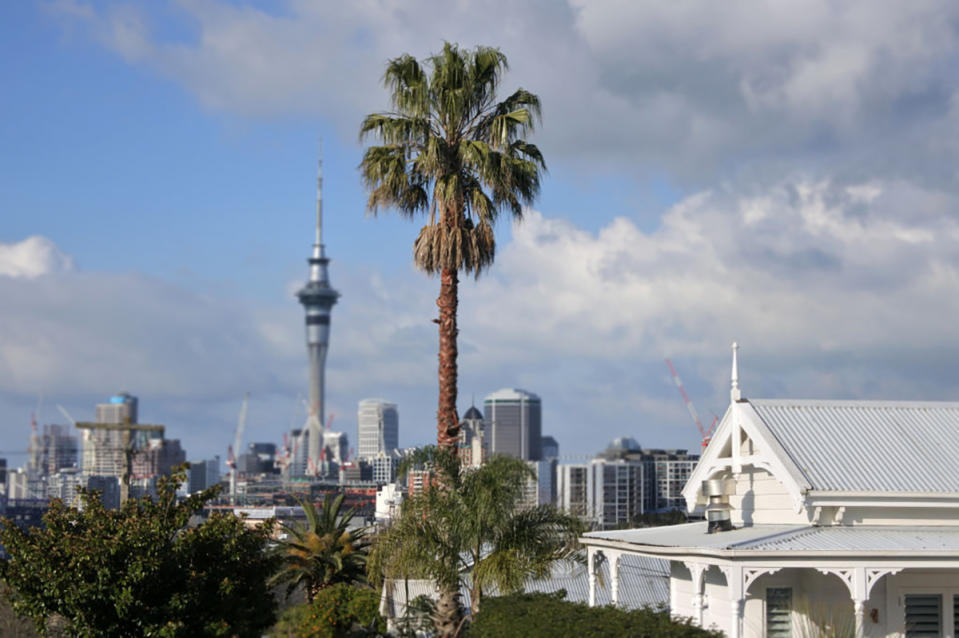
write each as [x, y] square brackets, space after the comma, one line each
[734, 393]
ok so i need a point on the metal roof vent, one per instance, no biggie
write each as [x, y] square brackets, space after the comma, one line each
[718, 510]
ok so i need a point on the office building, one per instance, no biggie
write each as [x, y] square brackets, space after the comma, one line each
[378, 426]
[260, 458]
[157, 457]
[203, 474]
[58, 449]
[472, 445]
[384, 468]
[540, 488]
[514, 419]
[549, 448]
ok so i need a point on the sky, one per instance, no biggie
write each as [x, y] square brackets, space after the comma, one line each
[780, 174]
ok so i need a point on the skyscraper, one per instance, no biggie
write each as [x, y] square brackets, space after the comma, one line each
[103, 453]
[378, 427]
[318, 298]
[514, 419]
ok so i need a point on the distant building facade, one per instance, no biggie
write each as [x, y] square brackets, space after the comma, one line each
[619, 490]
[549, 448]
[572, 489]
[204, 474]
[59, 449]
[514, 419]
[540, 488]
[378, 427]
[472, 444]
[103, 453]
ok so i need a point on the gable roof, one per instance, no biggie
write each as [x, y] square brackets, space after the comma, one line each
[868, 446]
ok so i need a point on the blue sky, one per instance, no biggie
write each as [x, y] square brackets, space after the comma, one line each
[787, 186]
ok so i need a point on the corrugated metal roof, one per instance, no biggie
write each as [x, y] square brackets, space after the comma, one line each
[643, 582]
[879, 538]
[868, 446]
[865, 538]
[694, 535]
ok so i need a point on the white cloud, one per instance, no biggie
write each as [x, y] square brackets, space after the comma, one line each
[32, 257]
[697, 89]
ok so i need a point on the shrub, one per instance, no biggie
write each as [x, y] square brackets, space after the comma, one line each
[337, 611]
[548, 615]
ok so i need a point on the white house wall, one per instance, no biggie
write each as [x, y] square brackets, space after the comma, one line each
[944, 581]
[761, 499]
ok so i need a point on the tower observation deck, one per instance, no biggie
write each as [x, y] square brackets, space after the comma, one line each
[318, 298]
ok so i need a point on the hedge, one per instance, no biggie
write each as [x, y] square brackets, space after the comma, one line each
[549, 615]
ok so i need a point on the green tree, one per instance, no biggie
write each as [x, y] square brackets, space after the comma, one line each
[324, 550]
[141, 570]
[472, 530]
[338, 611]
[452, 152]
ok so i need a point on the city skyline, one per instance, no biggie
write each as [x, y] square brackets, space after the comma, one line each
[788, 188]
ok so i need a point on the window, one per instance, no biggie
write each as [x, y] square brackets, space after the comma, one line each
[779, 604]
[923, 615]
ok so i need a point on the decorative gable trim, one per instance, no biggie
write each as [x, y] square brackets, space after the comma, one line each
[767, 453]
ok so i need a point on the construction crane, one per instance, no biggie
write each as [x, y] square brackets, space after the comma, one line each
[233, 450]
[689, 406]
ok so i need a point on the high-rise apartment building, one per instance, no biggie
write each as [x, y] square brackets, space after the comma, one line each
[540, 488]
[514, 420]
[619, 490]
[572, 489]
[672, 469]
[378, 427]
[103, 453]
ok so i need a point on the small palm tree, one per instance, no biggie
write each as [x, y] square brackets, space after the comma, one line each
[324, 550]
[452, 152]
[471, 530]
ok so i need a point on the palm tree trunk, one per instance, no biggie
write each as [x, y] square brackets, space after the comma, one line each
[476, 594]
[447, 418]
[448, 616]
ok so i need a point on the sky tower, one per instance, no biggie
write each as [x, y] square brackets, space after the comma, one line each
[317, 297]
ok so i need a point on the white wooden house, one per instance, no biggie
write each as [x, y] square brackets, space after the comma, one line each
[843, 513]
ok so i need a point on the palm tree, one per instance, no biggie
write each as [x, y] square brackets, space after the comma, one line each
[453, 153]
[323, 551]
[470, 530]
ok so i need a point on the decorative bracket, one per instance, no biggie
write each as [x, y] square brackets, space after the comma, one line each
[874, 574]
[846, 575]
[750, 574]
[697, 570]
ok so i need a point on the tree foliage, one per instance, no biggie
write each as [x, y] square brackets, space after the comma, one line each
[141, 570]
[548, 615]
[323, 551]
[338, 611]
[450, 151]
[471, 529]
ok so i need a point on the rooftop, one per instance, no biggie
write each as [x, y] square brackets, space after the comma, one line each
[868, 446]
[792, 538]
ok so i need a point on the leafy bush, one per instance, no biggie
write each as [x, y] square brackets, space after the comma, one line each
[140, 570]
[548, 615]
[337, 611]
